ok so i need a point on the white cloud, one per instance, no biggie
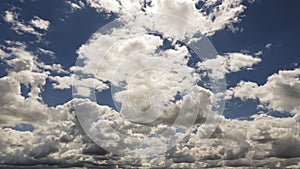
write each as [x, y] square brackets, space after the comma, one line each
[24, 68]
[268, 45]
[66, 82]
[16, 109]
[40, 23]
[122, 56]
[101, 5]
[76, 5]
[264, 142]
[230, 62]
[46, 52]
[9, 17]
[3, 54]
[221, 15]
[244, 144]
[279, 93]
[19, 26]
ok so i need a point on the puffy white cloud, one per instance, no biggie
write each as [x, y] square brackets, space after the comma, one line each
[83, 86]
[264, 142]
[76, 5]
[279, 93]
[230, 62]
[44, 144]
[131, 59]
[19, 26]
[40, 23]
[258, 143]
[14, 107]
[116, 55]
[24, 68]
[244, 89]
[10, 91]
[101, 5]
[221, 14]
[9, 16]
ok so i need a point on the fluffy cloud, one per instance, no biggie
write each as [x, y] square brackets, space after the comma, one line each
[23, 68]
[230, 62]
[257, 143]
[83, 86]
[109, 6]
[40, 23]
[154, 85]
[20, 27]
[279, 93]
[17, 25]
[143, 75]
[16, 109]
[219, 16]
[76, 5]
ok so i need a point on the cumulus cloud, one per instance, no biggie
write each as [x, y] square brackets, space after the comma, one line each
[221, 14]
[17, 25]
[40, 23]
[23, 68]
[155, 90]
[257, 143]
[230, 62]
[20, 27]
[101, 5]
[279, 93]
[76, 5]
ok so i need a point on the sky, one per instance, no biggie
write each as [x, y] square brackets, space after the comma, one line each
[149, 83]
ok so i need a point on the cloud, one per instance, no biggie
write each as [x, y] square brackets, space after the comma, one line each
[76, 5]
[45, 145]
[257, 143]
[40, 23]
[18, 26]
[268, 45]
[23, 68]
[283, 150]
[221, 14]
[46, 52]
[130, 58]
[83, 86]
[251, 1]
[109, 6]
[229, 63]
[279, 93]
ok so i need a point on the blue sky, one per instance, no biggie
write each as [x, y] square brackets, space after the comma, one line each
[258, 45]
[262, 24]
